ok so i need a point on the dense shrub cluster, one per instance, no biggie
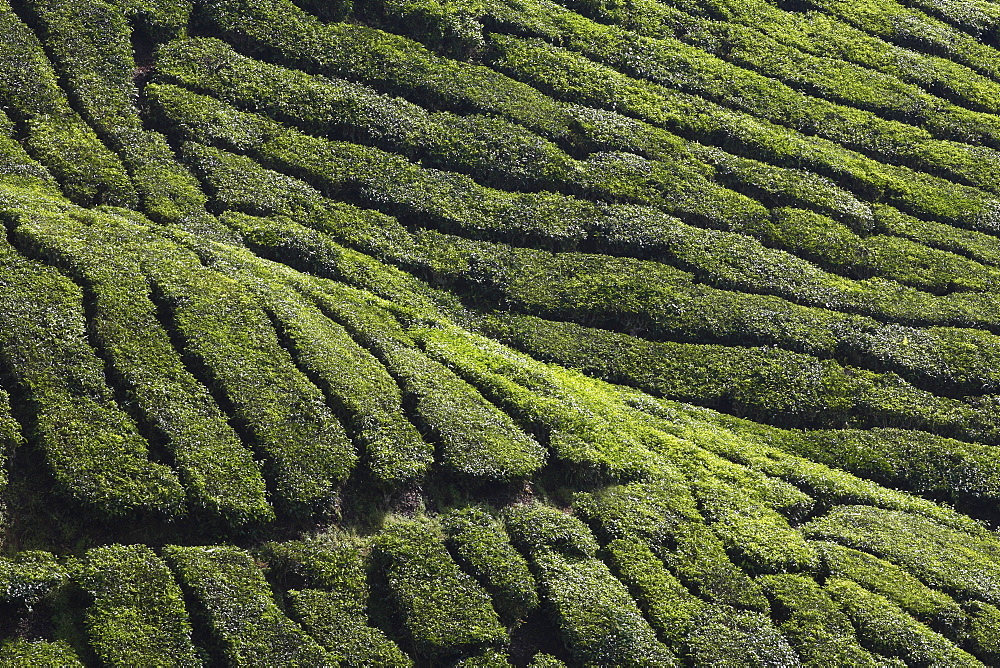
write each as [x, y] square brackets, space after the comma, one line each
[491, 333]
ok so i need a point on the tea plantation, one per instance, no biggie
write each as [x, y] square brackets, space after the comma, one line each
[491, 333]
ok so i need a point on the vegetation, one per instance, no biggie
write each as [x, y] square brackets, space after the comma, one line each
[499, 333]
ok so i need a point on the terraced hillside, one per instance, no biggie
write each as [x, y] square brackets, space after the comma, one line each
[499, 332]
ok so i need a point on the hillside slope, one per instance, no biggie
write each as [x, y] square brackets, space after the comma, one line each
[499, 332]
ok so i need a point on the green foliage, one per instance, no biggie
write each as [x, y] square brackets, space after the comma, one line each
[138, 615]
[38, 654]
[443, 610]
[888, 630]
[724, 636]
[91, 445]
[29, 576]
[663, 514]
[481, 545]
[231, 593]
[218, 471]
[223, 326]
[54, 134]
[670, 608]
[927, 605]
[332, 606]
[958, 562]
[535, 526]
[345, 634]
[984, 631]
[93, 52]
[599, 621]
[813, 623]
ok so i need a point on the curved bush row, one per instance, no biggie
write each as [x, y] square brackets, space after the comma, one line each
[334, 600]
[91, 446]
[234, 600]
[219, 473]
[138, 615]
[402, 188]
[54, 134]
[911, 28]
[92, 48]
[672, 63]
[571, 77]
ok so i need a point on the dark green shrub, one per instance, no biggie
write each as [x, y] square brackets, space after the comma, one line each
[346, 635]
[138, 615]
[223, 326]
[927, 605]
[667, 604]
[54, 134]
[332, 604]
[814, 625]
[488, 659]
[38, 654]
[962, 563]
[29, 576]
[886, 629]
[724, 636]
[600, 622]
[239, 610]
[535, 526]
[387, 61]
[663, 515]
[92, 447]
[546, 661]
[984, 631]
[218, 471]
[443, 610]
[481, 545]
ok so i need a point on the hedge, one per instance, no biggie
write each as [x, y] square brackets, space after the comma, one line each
[724, 636]
[490, 149]
[138, 615]
[766, 384]
[600, 622]
[481, 545]
[29, 576]
[670, 608]
[541, 660]
[218, 471]
[368, 400]
[54, 134]
[230, 593]
[908, 27]
[455, 202]
[329, 594]
[885, 628]
[442, 609]
[932, 607]
[92, 50]
[91, 446]
[663, 515]
[813, 623]
[34, 653]
[944, 558]
[389, 62]
[917, 461]
[672, 63]
[346, 635]
[488, 659]
[984, 631]
[760, 537]
[222, 326]
[570, 77]
[541, 395]
[10, 436]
